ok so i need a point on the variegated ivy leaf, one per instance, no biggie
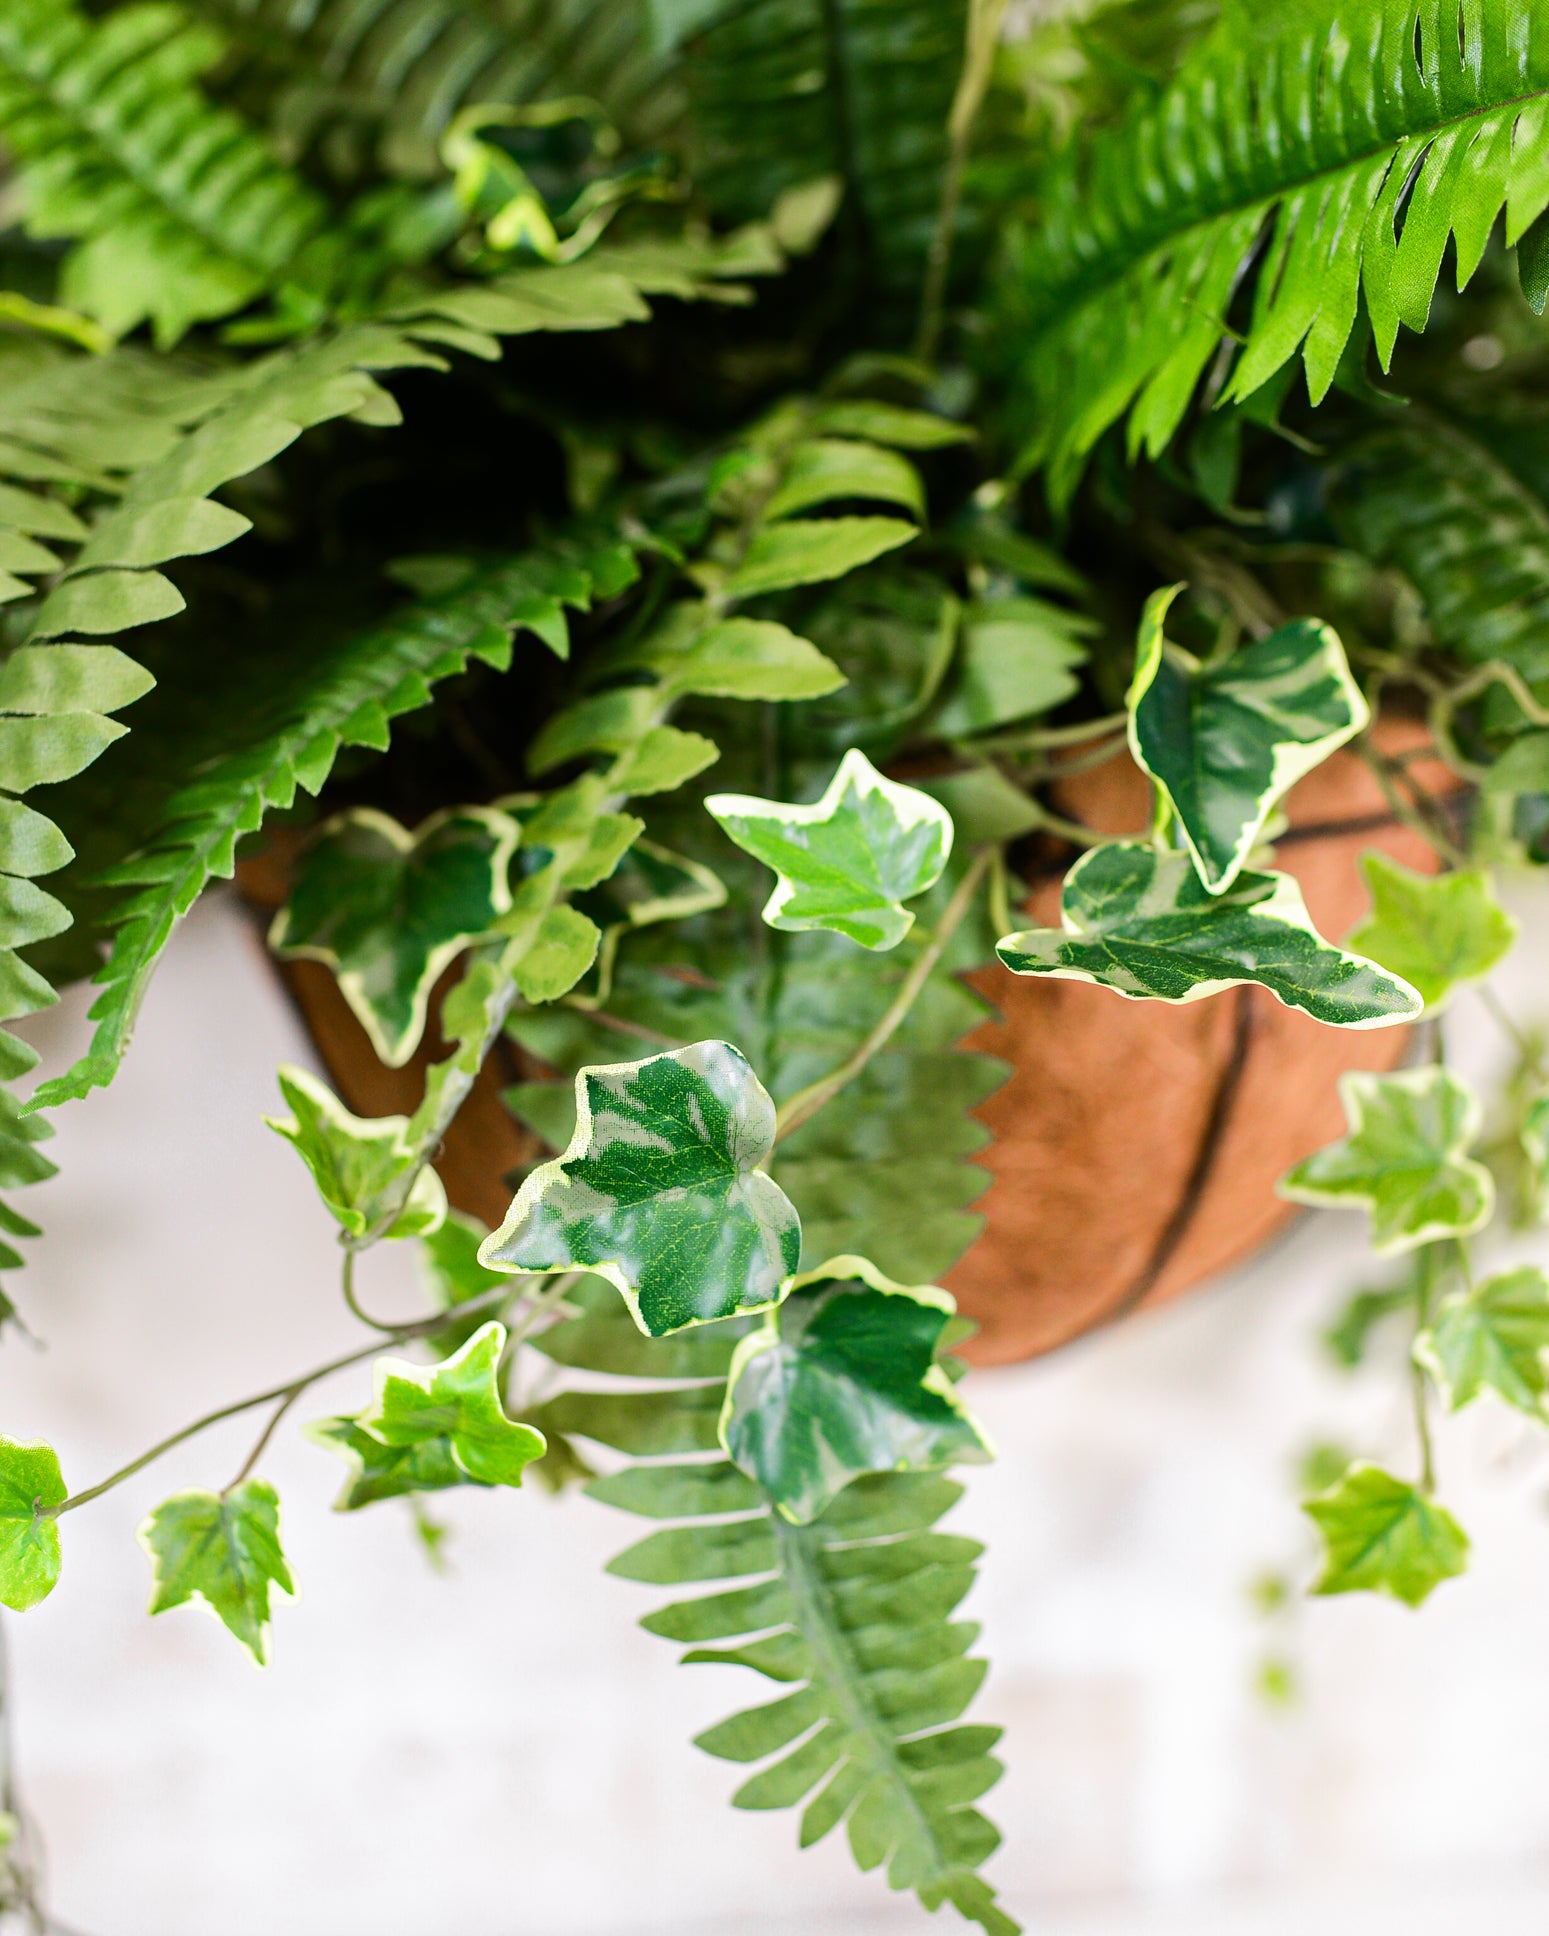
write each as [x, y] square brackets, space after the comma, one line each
[357, 1162]
[842, 1380]
[387, 909]
[30, 1490]
[850, 860]
[1405, 1159]
[1535, 1146]
[1225, 741]
[1436, 930]
[1493, 1338]
[660, 1192]
[1140, 921]
[434, 1426]
[1383, 1535]
[222, 1548]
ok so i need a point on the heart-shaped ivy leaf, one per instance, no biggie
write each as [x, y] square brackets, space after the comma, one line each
[660, 1192]
[1226, 740]
[433, 1426]
[30, 1489]
[387, 910]
[1436, 930]
[1141, 922]
[1383, 1535]
[850, 860]
[1493, 1338]
[222, 1548]
[1405, 1159]
[842, 1380]
[357, 1162]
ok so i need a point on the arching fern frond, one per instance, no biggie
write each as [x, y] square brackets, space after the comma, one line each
[1430, 497]
[179, 212]
[383, 78]
[851, 1614]
[222, 744]
[1316, 153]
[782, 91]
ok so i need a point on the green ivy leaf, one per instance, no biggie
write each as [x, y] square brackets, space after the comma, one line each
[807, 551]
[1535, 1146]
[660, 1192]
[1437, 931]
[560, 953]
[387, 910]
[1405, 1158]
[380, 1471]
[1382, 1535]
[30, 1490]
[842, 1380]
[1018, 657]
[1141, 922]
[222, 1548]
[1225, 741]
[434, 1426]
[828, 468]
[357, 1162]
[850, 860]
[740, 658]
[1493, 1338]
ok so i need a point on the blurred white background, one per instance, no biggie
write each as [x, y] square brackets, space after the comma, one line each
[502, 1752]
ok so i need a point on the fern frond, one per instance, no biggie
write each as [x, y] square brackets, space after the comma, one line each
[1431, 498]
[387, 76]
[1313, 154]
[784, 90]
[222, 745]
[851, 1614]
[179, 212]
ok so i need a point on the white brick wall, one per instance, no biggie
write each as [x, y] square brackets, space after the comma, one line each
[503, 1753]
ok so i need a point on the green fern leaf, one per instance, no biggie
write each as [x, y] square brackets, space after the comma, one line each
[782, 91]
[178, 211]
[1318, 153]
[1432, 498]
[851, 1613]
[381, 79]
[241, 738]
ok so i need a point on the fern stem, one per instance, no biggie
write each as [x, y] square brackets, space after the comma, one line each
[837, 1668]
[983, 33]
[807, 1102]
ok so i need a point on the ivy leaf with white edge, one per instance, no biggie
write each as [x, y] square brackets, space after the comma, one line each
[1436, 930]
[357, 1162]
[660, 1192]
[435, 1426]
[842, 1380]
[387, 910]
[1225, 741]
[1535, 1146]
[30, 1490]
[1493, 1338]
[380, 1471]
[1383, 1535]
[1405, 1160]
[1141, 922]
[222, 1548]
[850, 860]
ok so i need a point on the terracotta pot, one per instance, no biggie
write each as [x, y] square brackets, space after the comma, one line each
[1136, 1145]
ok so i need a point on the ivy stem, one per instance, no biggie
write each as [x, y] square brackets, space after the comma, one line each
[807, 1102]
[1038, 739]
[1518, 1036]
[357, 1310]
[1418, 1384]
[292, 1389]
